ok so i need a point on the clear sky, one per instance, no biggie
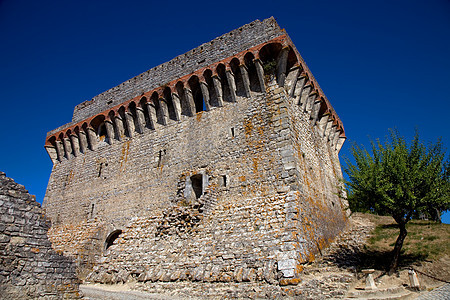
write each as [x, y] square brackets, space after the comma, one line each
[382, 64]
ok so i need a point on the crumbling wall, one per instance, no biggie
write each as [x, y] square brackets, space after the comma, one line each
[30, 268]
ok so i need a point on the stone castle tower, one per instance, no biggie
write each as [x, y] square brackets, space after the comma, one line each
[219, 165]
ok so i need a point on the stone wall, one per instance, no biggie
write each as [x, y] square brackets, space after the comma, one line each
[264, 211]
[30, 267]
[234, 176]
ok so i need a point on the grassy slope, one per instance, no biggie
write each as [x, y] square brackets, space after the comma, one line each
[426, 247]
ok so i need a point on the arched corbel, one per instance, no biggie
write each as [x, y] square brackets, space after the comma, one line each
[75, 144]
[92, 136]
[50, 147]
[316, 108]
[218, 89]
[205, 93]
[109, 131]
[164, 109]
[176, 105]
[260, 73]
[67, 145]
[245, 79]
[292, 80]
[282, 65]
[189, 101]
[140, 119]
[129, 121]
[340, 141]
[231, 83]
[83, 141]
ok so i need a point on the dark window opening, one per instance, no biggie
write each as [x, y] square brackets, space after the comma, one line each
[159, 113]
[169, 100]
[92, 210]
[226, 94]
[196, 90]
[239, 81]
[143, 106]
[232, 131]
[212, 91]
[252, 74]
[197, 185]
[112, 237]
[269, 56]
[102, 132]
[224, 178]
[132, 110]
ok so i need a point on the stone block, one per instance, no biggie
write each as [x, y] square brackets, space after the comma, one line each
[286, 264]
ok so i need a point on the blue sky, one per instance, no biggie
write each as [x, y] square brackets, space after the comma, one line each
[382, 64]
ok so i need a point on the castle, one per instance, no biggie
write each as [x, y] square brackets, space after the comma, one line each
[220, 165]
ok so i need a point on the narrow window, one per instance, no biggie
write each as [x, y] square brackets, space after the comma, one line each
[92, 210]
[100, 170]
[161, 155]
[232, 131]
[197, 185]
[102, 132]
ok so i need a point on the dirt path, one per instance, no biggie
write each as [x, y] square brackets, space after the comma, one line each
[117, 292]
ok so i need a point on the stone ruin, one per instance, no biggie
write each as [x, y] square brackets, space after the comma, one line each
[31, 269]
[220, 165]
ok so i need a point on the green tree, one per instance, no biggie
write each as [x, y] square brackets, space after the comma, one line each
[399, 180]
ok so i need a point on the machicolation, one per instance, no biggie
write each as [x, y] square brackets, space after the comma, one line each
[220, 165]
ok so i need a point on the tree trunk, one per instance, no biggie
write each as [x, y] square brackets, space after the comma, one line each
[398, 247]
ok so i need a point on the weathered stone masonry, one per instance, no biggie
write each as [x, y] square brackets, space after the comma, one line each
[220, 165]
[30, 268]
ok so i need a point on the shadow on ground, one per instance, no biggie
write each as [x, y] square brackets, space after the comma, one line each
[363, 258]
